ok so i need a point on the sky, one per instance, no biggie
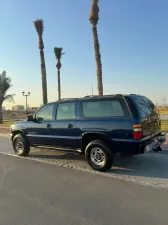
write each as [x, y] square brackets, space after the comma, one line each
[133, 37]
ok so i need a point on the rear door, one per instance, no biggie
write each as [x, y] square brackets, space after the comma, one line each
[64, 130]
[148, 113]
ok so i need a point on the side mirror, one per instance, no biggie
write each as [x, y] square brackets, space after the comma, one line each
[30, 118]
[39, 119]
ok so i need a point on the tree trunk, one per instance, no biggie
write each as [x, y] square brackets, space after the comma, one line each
[44, 78]
[59, 85]
[1, 114]
[98, 60]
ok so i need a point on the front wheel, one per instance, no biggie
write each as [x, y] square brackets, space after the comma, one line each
[99, 156]
[20, 145]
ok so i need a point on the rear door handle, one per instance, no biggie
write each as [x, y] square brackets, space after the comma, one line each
[49, 126]
[70, 125]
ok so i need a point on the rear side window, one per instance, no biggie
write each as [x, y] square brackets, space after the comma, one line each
[141, 105]
[150, 104]
[104, 108]
[66, 111]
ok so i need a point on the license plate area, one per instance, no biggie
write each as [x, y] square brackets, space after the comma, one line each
[155, 144]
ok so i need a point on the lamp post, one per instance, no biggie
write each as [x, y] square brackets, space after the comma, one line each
[26, 95]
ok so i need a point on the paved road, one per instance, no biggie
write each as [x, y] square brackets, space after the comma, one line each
[148, 169]
[34, 193]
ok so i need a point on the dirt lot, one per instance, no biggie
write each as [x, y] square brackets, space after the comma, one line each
[14, 115]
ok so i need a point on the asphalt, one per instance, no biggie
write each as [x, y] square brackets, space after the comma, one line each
[146, 169]
[36, 193]
[4, 130]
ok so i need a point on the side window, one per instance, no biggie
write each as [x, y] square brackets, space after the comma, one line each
[151, 105]
[66, 111]
[141, 105]
[104, 109]
[45, 113]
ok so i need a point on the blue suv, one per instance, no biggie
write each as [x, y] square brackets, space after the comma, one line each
[98, 126]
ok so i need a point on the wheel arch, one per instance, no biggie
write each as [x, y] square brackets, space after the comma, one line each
[91, 136]
[15, 132]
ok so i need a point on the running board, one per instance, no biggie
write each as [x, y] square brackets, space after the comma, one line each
[58, 148]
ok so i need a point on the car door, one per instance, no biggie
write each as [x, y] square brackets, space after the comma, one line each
[39, 130]
[64, 130]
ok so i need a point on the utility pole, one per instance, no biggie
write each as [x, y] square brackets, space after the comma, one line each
[26, 95]
[92, 89]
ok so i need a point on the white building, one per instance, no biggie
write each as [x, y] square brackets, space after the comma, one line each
[18, 108]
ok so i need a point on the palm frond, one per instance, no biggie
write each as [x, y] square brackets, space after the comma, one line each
[9, 98]
[5, 85]
[39, 26]
[58, 53]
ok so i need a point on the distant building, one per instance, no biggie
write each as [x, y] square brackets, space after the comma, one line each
[18, 108]
[33, 109]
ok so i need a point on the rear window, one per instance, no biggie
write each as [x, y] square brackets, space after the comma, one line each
[142, 106]
[104, 108]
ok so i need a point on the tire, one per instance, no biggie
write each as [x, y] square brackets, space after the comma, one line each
[20, 145]
[99, 156]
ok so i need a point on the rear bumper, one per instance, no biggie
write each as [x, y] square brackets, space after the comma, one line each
[139, 146]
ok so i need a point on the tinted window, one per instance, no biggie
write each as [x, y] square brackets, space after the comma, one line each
[151, 104]
[142, 107]
[65, 111]
[45, 113]
[104, 108]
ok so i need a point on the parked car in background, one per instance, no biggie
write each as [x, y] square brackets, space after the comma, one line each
[97, 126]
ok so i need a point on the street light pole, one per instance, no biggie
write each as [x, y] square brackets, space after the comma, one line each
[26, 95]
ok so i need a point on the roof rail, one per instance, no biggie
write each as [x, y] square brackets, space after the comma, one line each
[91, 96]
[63, 99]
[112, 95]
[119, 95]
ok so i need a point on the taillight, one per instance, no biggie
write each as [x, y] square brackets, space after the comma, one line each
[138, 134]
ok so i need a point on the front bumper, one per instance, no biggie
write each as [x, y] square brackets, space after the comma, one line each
[10, 136]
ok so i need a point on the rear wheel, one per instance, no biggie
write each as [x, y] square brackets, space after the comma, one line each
[99, 156]
[20, 145]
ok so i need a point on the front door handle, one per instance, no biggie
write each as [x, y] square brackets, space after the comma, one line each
[70, 125]
[49, 126]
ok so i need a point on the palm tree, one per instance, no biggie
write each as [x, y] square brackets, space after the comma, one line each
[39, 28]
[5, 85]
[58, 54]
[94, 18]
